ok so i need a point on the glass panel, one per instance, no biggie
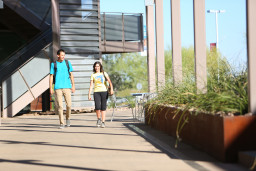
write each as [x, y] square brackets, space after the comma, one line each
[113, 27]
[49, 16]
[86, 4]
[33, 72]
[49, 52]
[41, 8]
[132, 27]
[13, 88]
[36, 69]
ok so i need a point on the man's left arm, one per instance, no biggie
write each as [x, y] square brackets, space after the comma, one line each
[73, 89]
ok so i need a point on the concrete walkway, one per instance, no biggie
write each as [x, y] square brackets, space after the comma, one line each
[35, 143]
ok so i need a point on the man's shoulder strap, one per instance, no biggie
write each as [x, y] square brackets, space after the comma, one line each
[55, 66]
[67, 64]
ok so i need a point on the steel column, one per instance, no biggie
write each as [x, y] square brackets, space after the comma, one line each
[55, 27]
[160, 43]
[251, 51]
[176, 42]
[200, 46]
[151, 49]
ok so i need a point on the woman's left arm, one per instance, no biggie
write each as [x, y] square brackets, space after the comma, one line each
[111, 85]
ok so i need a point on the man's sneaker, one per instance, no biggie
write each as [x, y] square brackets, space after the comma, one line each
[98, 123]
[62, 126]
[68, 123]
[103, 125]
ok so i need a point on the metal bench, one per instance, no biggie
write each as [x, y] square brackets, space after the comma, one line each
[120, 103]
[140, 100]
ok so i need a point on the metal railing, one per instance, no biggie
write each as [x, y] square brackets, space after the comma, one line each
[141, 100]
[120, 102]
[121, 27]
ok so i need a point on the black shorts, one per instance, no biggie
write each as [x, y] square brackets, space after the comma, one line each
[100, 99]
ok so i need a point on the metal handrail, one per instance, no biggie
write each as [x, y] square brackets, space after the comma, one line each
[120, 13]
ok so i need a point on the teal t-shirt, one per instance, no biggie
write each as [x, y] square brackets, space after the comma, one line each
[62, 79]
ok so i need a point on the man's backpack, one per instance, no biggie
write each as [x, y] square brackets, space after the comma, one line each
[55, 70]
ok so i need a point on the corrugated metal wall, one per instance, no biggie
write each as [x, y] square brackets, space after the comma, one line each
[79, 37]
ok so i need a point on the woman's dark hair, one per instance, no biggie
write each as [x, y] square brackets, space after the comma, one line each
[101, 67]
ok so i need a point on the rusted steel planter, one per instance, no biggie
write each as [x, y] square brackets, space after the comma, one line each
[219, 136]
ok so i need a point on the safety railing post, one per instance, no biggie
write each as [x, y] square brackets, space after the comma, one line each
[104, 16]
[142, 33]
[123, 34]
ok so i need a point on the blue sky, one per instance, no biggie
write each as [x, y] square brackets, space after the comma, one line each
[231, 24]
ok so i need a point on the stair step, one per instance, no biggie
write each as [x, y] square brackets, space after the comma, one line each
[248, 159]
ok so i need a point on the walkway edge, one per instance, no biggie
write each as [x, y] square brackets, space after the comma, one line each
[170, 151]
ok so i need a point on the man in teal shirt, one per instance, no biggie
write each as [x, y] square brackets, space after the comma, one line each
[63, 86]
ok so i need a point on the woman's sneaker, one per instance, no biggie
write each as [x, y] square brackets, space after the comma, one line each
[103, 125]
[98, 123]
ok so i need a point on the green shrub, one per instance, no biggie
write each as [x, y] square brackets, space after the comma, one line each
[226, 88]
[226, 91]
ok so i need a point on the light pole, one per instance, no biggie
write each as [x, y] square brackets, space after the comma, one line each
[217, 34]
[216, 20]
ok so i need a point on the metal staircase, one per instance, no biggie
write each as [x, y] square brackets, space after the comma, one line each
[24, 74]
[26, 83]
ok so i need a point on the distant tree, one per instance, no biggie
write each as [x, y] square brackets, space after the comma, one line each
[187, 63]
[126, 70]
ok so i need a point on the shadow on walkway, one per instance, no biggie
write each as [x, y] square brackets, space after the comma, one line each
[35, 143]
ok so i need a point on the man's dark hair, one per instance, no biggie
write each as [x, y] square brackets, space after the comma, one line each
[60, 50]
